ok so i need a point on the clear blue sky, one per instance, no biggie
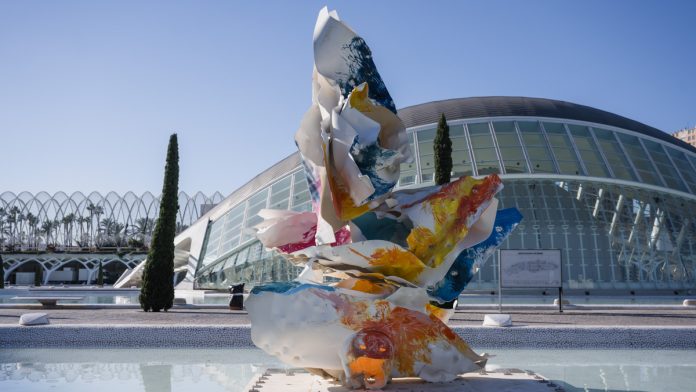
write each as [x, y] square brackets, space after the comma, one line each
[91, 90]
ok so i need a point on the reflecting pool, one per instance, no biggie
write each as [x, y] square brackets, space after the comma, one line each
[169, 370]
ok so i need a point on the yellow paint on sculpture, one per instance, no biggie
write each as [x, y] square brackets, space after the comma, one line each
[359, 99]
[451, 207]
[367, 286]
[441, 314]
[343, 204]
[394, 262]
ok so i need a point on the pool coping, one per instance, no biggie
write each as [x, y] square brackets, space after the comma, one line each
[460, 308]
[239, 336]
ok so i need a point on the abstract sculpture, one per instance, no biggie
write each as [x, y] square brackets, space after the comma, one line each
[397, 260]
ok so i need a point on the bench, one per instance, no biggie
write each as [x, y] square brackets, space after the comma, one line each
[50, 302]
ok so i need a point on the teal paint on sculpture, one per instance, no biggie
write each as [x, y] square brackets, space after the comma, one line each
[287, 288]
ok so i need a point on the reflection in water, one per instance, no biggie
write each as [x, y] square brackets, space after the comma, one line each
[179, 370]
[156, 378]
[147, 370]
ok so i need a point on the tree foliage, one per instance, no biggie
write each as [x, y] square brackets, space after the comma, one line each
[100, 274]
[442, 147]
[38, 275]
[157, 292]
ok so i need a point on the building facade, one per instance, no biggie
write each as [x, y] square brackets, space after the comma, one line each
[687, 134]
[615, 195]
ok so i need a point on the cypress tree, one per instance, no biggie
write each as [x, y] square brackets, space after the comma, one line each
[443, 152]
[100, 275]
[2, 273]
[157, 292]
[38, 275]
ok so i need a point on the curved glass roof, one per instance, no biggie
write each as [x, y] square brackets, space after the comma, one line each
[505, 135]
[499, 106]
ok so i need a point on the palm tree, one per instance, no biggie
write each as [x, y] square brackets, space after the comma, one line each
[68, 221]
[143, 227]
[3, 214]
[85, 220]
[47, 228]
[94, 210]
[12, 220]
[33, 222]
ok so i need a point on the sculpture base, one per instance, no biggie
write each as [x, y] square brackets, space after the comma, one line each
[500, 380]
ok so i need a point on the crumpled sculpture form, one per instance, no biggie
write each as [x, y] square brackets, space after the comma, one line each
[397, 260]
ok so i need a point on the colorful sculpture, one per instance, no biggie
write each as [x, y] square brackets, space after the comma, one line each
[397, 259]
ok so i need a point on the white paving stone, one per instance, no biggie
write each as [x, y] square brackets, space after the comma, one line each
[497, 320]
[28, 319]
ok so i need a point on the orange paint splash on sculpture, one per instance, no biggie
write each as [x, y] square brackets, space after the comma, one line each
[409, 331]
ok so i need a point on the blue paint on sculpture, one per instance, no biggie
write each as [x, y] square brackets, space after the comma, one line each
[370, 159]
[363, 69]
[287, 288]
[373, 227]
[471, 259]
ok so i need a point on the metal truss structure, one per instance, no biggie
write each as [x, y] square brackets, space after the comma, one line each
[77, 221]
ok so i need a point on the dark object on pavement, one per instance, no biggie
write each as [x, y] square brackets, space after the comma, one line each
[237, 296]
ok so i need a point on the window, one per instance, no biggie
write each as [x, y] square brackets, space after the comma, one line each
[280, 194]
[563, 149]
[640, 160]
[426, 154]
[537, 149]
[408, 170]
[615, 156]
[682, 163]
[484, 150]
[664, 166]
[301, 199]
[588, 151]
[510, 148]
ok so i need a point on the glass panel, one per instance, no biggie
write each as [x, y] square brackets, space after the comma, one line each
[510, 149]
[255, 204]
[638, 156]
[427, 161]
[461, 161]
[408, 170]
[426, 154]
[300, 196]
[682, 163]
[664, 166]
[224, 235]
[456, 130]
[425, 147]
[537, 150]
[588, 151]
[484, 150]
[616, 158]
[425, 135]
[562, 149]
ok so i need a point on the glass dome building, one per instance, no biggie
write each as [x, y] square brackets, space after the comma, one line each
[615, 195]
